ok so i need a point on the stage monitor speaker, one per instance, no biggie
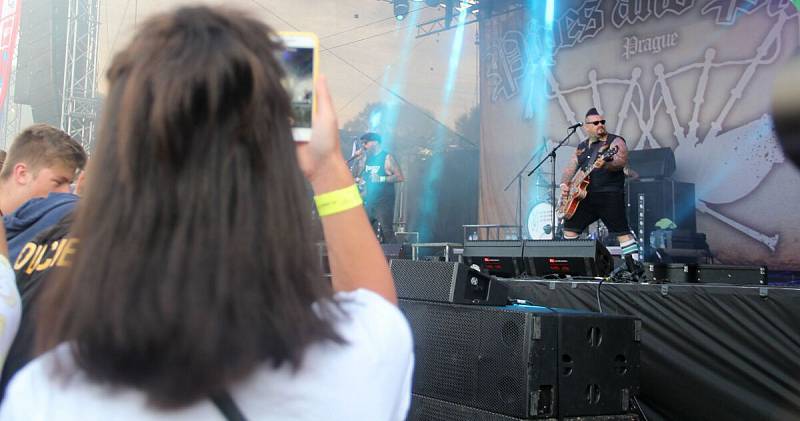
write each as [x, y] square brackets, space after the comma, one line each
[497, 258]
[567, 257]
[446, 282]
[524, 361]
[652, 163]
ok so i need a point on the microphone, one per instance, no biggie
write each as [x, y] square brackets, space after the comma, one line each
[575, 126]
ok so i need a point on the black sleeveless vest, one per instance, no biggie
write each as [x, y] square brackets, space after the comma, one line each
[603, 180]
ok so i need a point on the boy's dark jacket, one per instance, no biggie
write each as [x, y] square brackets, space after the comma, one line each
[52, 248]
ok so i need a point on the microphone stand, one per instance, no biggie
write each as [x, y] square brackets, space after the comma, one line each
[357, 155]
[356, 151]
[518, 178]
[552, 156]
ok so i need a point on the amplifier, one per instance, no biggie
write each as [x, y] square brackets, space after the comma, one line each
[567, 257]
[652, 163]
[446, 282]
[736, 275]
[650, 201]
[498, 258]
[524, 361]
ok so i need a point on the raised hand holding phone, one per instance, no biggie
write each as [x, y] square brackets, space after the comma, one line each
[347, 234]
[300, 63]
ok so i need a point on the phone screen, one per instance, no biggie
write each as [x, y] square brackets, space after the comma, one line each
[299, 66]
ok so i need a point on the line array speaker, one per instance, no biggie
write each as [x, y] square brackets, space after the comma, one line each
[524, 361]
[40, 61]
[424, 408]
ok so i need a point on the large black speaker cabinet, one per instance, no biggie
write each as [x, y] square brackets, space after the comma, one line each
[524, 361]
[567, 257]
[424, 408]
[652, 163]
[650, 201]
[40, 60]
[446, 282]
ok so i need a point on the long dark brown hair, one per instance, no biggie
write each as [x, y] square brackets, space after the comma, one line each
[195, 262]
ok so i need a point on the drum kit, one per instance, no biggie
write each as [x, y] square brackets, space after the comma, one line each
[540, 221]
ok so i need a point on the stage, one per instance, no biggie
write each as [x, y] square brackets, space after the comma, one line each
[708, 351]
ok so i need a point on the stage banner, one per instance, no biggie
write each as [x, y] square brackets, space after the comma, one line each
[9, 30]
[692, 75]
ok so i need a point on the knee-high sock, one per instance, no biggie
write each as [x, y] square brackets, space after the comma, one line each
[631, 248]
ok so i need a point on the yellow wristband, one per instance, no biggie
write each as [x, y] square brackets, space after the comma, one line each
[337, 201]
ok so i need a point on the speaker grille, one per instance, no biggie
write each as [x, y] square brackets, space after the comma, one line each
[428, 409]
[474, 356]
[422, 280]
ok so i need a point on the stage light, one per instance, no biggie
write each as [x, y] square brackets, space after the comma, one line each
[430, 200]
[400, 9]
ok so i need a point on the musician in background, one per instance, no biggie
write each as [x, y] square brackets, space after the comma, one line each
[378, 171]
[606, 192]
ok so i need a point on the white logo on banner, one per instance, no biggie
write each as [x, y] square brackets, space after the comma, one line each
[748, 146]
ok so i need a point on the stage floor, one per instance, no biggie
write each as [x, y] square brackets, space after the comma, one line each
[708, 351]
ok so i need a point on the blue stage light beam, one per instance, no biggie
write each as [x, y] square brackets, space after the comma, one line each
[429, 203]
[383, 119]
[395, 78]
[539, 61]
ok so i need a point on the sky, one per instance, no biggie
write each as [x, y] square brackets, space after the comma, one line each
[361, 44]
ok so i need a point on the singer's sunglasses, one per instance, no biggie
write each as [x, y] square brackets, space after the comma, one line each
[603, 122]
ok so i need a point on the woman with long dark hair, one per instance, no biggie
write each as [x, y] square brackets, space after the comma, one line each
[195, 290]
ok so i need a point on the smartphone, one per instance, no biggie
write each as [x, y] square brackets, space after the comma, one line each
[300, 63]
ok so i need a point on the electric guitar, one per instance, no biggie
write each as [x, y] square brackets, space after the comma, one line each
[579, 185]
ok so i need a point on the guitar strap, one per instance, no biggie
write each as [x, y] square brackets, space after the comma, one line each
[587, 163]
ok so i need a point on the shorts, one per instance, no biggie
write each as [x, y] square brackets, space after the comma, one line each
[609, 207]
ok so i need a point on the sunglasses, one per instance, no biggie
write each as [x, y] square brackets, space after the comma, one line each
[603, 122]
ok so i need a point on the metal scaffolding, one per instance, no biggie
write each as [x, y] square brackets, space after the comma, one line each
[80, 104]
[476, 11]
[11, 112]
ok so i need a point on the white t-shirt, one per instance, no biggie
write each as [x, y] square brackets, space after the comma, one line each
[367, 379]
[10, 310]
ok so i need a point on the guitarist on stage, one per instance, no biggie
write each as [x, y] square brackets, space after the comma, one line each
[606, 192]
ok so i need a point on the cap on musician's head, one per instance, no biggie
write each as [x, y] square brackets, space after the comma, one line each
[371, 136]
[592, 111]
